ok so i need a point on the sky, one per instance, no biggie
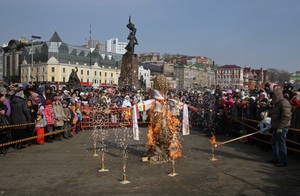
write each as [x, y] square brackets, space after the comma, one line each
[248, 33]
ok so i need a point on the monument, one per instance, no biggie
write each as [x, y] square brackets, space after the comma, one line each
[74, 81]
[128, 79]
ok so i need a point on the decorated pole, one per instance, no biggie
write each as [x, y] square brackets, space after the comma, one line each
[95, 149]
[214, 144]
[102, 163]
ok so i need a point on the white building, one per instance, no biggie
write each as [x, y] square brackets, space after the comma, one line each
[113, 45]
[146, 76]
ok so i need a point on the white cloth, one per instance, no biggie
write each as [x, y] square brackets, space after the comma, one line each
[135, 125]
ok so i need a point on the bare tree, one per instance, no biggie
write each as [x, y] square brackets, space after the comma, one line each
[278, 76]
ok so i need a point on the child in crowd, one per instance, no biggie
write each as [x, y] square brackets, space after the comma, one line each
[48, 111]
[264, 124]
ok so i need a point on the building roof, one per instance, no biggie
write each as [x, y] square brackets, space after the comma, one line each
[229, 67]
[152, 67]
[55, 38]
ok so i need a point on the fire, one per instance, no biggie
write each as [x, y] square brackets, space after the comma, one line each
[213, 141]
[172, 136]
[175, 145]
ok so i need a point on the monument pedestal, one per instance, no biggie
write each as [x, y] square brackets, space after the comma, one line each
[129, 72]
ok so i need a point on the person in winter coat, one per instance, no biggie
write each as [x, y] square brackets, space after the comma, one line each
[49, 94]
[48, 111]
[3, 123]
[68, 113]
[20, 114]
[41, 92]
[280, 122]
[59, 116]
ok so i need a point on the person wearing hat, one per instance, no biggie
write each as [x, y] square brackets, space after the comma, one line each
[3, 122]
[20, 116]
[69, 115]
[280, 122]
[48, 112]
[6, 102]
[48, 93]
[59, 116]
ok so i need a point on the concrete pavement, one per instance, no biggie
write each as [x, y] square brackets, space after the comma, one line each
[68, 168]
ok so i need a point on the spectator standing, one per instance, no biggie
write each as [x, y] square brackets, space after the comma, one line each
[20, 114]
[6, 102]
[280, 121]
[58, 115]
[3, 122]
[49, 94]
[48, 111]
[41, 92]
[68, 113]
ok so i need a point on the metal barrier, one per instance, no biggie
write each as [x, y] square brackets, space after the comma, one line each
[109, 117]
[268, 142]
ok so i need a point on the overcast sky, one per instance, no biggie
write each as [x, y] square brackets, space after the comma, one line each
[253, 33]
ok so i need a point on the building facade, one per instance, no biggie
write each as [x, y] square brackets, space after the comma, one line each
[53, 61]
[114, 46]
[230, 77]
[145, 75]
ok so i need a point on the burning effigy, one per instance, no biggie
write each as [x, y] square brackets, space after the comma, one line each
[164, 127]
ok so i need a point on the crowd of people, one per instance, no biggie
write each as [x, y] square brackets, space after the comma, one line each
[38, 109]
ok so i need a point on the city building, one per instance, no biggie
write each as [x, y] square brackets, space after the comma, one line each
[114, 46]
[54, 60]
[254, 78]
[230, 77]
[144, 76]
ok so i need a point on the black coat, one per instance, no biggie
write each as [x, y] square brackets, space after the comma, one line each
[20, 113]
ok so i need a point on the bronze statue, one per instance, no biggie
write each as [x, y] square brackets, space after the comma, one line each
[74, 81]
[131, 37]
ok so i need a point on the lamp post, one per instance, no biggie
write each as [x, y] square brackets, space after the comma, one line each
[33, 37]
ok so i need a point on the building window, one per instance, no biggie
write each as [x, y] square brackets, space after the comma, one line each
[112, 75]
[64, 79]
[64, 70]
[52, 79]
[100, 73]
[95, 81]
[53, 69]
[88, 80]
[95, 73]
[81, 71]
[87, 72]
[105, 74]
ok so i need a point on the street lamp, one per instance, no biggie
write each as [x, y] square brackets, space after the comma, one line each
[33, 37]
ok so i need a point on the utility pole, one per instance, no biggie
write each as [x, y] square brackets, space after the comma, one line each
[33, 37]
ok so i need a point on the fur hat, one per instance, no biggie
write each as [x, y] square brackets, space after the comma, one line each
[48, 102]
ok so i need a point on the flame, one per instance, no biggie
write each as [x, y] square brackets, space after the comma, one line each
[173, 129]
[213, 140]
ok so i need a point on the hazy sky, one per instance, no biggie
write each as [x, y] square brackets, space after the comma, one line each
[252, 33]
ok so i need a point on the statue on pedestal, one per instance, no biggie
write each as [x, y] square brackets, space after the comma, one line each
[74, 81]
[128, 80]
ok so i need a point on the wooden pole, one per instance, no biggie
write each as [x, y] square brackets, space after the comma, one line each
[234, 139]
